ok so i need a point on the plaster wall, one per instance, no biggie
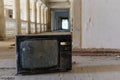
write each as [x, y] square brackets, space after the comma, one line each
[100, 24]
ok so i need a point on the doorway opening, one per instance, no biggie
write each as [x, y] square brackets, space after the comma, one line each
[60, 20]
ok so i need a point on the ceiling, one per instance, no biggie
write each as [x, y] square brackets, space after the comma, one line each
[58, 3]
[58, 0]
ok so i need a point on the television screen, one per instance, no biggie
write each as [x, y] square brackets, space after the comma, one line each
[34, 51]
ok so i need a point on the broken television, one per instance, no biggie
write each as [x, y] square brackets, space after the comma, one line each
[43, 53]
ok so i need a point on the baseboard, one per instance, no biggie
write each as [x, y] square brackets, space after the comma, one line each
[96, 52]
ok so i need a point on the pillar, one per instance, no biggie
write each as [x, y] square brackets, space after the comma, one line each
[6, 13]
[35, 15]
[43, 14]
[77, 24]
[44, 19]
[40, 18]
[48, 20]
[28, 15]
[17, 16]
[2, 21]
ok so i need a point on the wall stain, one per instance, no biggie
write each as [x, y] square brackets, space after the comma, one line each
[88, 23]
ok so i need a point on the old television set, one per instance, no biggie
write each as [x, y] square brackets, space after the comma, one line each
[44, 53]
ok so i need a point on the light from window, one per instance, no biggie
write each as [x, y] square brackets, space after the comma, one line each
[65, 24]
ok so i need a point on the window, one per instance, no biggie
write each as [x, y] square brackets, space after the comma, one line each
[65, 24]
[10, 13]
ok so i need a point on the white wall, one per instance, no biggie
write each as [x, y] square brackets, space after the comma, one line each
[101, 23]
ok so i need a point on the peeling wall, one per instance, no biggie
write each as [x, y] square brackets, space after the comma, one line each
[101, 23]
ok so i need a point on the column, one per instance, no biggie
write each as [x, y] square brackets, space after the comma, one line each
[14, 14]
[6, 13]
[2, 21]
[40, 18]
[17, 16]
[43, 18]
[77, 24]
[48, 20]
[28, 15]
[35, 15]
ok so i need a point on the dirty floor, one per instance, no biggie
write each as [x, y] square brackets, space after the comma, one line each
[84, 67]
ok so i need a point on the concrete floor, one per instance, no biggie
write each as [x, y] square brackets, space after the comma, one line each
[6, 49]
[84, 67]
